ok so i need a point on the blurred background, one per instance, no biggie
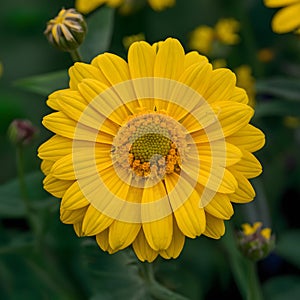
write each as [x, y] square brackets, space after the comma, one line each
[56, 264]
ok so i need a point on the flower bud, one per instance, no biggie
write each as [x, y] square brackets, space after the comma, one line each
[21, 132]
[254, 242]
[66, 31]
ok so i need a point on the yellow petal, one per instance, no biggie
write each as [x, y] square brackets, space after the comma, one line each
[245, 192]
[249, 165]
[80, 71]
[215, 227]
[63, 168]
[170, 58]
[158, 232]
[194, 57]
[176, 245]
[72, 216]
[142, 249]
[220, 207]
[55, 148]
[249, 138]
[113, 67]
[286, 19]
[86, 7]
[52, 100]
[122, 234]
[55, 186]
[279, 3]
[46, 166]
[239, 95]
[104, 101]
[102, 241]
[141, 58]
[221, 87]
[78, 229]
[73, 198]
[221, 153]
[189, 216]
[94, 221]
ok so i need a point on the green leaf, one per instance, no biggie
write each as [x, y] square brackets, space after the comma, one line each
[44, 84]
[282, 288]
[100, 28]
[288, 88]
[277, 108]
[288, 246]
[11, 204]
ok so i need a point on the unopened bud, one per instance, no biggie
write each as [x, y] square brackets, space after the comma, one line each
[21, 132]
[66, 31]
[255, 242]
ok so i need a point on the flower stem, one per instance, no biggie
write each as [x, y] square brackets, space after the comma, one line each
[155, 289]
[23, 188]
[75, 55]
[254, 291]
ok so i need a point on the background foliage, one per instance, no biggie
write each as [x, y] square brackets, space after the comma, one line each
[53, 263]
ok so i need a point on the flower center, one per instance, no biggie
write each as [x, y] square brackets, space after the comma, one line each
[150, 145]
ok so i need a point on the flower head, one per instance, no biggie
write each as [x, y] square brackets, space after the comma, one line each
[66, 31]
[150, 151]
[287, 18]
[21, 132]
[227, 31]
[126, 6]
[255, 242]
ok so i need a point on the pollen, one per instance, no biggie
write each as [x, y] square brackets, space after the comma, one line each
[149, 144]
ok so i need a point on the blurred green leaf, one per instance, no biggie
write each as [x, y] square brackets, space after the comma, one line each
[11, 204]
[288, 88]
[98, 38]
[288, 246]
[44, 84]
[282, 288]
[277, 108]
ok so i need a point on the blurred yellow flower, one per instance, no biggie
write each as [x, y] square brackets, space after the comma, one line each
[226, 31]
[287, 18]
[219, 63]
[87, 6]
[255, 242]
[128, 40]
[206, 39]
[150, 151]
[201, 39]
[265, 55]
[246, 81]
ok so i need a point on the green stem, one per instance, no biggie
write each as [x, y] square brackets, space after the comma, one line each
[23, 188]
[155, 289]
[254, 291]
[75, 55]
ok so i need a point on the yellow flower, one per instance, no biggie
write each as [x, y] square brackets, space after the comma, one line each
[86, 7]
[254, 242]
[150, 151]
[287, 18]
[66, 31]
[226, 31]
[246, 81]
[128, 40]
[201, 39]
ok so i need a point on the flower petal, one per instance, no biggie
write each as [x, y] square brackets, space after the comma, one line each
[55, 148]
[215, 227]
[122, 234]
[80, 71]
[279, 3]
[220, 207]
[176, 245]
[74, 198]
[142, 249]
[72, 216]
[189, 216]
[94, 221]
[286, 19]
[249, 138]
[55, 186]
[102, 241]
[158, 232]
